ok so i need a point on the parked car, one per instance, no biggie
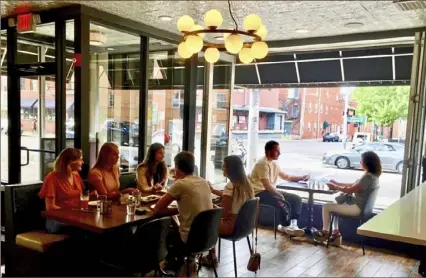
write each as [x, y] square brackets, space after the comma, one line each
[331, 137]
[391, 156]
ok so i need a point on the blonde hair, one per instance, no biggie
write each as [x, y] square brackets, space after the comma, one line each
[106, 150]
[64, 160]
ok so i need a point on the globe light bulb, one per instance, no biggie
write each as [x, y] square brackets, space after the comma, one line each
[212, 55]
[252, 22]
[196, 28]
[259, 50]
[213, 19]
[183, 51]
[233, 43]
[262, 32]
[245, 56]
[194, 43]
[185, 23]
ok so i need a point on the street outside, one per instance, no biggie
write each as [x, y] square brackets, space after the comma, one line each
[297, 158]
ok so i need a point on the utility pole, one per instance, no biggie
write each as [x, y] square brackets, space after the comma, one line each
[319, 111]
[253, 127]
[302, 113]
[345, 115]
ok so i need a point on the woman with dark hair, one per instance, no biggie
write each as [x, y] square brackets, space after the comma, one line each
[152, 173]
[238, 190]
[354, 197]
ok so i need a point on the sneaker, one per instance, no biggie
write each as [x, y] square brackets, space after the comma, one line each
[294, 231]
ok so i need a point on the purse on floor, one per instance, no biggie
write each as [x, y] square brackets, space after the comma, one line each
[254, 261]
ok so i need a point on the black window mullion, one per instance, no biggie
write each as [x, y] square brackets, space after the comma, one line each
[143, 96]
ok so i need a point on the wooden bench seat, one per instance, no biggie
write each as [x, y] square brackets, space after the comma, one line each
[39, 240]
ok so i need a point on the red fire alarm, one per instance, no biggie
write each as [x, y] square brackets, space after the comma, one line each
[77, 59]
[25, 23]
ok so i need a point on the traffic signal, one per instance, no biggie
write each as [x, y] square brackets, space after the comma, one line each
[350, 112]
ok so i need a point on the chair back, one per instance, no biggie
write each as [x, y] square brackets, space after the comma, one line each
[151, 239]
[246, 219]
[204, 231]
[370, 202]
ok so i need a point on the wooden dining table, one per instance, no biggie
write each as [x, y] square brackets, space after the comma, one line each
[91, 220]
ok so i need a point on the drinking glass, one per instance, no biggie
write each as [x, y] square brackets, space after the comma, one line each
[84, 200]
[131, 205]
[123, 198]
[311, 183]
[101, 198]
[137, 195]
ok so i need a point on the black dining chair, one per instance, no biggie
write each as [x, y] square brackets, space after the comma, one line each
[149, 244]
[275, 216]
[365, 215]
[244, 226]
[203, 235]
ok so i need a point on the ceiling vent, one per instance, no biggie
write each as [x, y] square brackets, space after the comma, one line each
[410, 5]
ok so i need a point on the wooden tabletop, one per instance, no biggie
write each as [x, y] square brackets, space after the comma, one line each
[95, 222]
[305, 188]
[403, 221]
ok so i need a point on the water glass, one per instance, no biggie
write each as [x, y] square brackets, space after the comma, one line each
[137, 195]
[101, 198]
[311, 183]
[105, 207]
[131, 206]
[123, 198]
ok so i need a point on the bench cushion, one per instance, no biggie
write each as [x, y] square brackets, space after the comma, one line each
[39, 240]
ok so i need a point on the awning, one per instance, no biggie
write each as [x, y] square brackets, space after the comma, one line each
[48, 103]
[28, 102]
[261, 109]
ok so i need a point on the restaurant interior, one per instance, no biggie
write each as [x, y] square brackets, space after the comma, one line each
[140, 73]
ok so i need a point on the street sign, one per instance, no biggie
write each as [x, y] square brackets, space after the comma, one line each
[357, 120]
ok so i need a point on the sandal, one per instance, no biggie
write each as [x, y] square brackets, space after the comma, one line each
[321, 233]
[335, 239]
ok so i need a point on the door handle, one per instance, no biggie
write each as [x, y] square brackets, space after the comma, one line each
[28, 155]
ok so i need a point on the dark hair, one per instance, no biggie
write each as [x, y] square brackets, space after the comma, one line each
[156, 172]
[372, 163]
[236, 173]
[269, 146]
[185, 162]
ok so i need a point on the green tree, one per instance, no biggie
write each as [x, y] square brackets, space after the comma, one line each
[382, 105]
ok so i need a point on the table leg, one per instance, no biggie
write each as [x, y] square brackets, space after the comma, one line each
[309, 230]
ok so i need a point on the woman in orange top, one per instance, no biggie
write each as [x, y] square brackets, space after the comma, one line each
[63, 186]
[104, 176]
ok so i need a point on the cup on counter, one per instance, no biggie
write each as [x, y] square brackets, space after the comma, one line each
[311, 183]
[84, 200]
[131, 205]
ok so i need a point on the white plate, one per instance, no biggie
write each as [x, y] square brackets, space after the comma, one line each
[150, 198]
[93, 203]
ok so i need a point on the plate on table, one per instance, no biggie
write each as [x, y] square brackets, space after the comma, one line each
[150, 198]
[93, 203]
[142, 210]
[172, 205]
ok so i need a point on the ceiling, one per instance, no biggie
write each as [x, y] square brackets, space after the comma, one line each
[284, 19]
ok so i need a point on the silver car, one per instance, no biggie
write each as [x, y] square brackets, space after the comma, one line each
[391, 156]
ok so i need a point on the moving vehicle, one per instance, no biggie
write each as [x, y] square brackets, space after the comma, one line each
[360, 138]
[331, 137]
[391, 155]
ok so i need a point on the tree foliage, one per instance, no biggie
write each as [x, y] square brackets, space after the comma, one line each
[382, 105]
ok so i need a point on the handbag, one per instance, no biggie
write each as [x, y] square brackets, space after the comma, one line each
[254, 261]
[344, 198]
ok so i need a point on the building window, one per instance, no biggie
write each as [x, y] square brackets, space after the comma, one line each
[315, 127]
[310, 107]
[328, 94]
[221, 101]
[111, 99]
[321, 109]
[295, 111]
[326, 109]
[316, 107]
[309, 127]
[177, 100]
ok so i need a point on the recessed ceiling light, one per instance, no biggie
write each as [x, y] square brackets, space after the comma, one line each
[110, 48]
[301, 31]
[354, 25]
[165, 17]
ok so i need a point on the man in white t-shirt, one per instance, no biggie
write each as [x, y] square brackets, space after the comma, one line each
[264, 178]
[192, 195]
